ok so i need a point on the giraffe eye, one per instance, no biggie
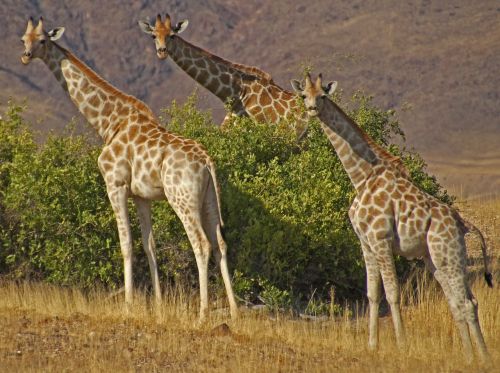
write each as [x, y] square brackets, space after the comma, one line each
[42, 41]
[153, 36]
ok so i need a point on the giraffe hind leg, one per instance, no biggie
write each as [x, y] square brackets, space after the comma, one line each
[213, 230]
[456, 301]
[186, 199]
[202, 248]
[144, 213]
[474, 327]
[450, 273]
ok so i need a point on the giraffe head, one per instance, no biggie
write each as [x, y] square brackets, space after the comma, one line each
[313, 94]
[36, 40]
[161, 32]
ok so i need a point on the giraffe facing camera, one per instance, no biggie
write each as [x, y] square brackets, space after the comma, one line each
[143, 161]
[390, 215]
[249, 91]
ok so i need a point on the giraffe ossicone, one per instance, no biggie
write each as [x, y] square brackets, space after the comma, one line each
[390, 215]
[247, 90]
[143, 161]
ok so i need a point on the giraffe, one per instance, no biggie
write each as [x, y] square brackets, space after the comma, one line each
[390, 215]
[247, 90]
[143, 161]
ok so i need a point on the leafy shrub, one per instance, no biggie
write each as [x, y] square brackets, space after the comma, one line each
[284, 206]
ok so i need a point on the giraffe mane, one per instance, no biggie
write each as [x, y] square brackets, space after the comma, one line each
[106, 86]
[248, 70]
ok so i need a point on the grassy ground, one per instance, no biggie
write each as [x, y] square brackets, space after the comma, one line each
[46, 328]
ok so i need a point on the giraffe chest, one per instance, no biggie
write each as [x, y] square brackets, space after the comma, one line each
[145, 169]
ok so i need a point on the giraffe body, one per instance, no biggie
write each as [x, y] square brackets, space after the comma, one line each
[143, 161]
[390, 215]
[248, 90]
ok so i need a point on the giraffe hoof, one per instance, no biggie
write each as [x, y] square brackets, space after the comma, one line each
[235, 315]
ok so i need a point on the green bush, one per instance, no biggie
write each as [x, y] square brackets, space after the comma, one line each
[284, 206]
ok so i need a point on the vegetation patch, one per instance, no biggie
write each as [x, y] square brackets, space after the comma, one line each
[284, 205]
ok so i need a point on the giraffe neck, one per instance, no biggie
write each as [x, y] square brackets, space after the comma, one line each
[355, 149]
[221, 77]
[200, 65]
[106, 108]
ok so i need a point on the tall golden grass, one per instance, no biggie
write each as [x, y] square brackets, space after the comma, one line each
[49, 328]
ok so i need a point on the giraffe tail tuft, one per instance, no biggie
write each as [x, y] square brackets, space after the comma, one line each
[489, 279]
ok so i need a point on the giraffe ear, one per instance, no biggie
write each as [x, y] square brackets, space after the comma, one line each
[297, 86]
[330, 88]
[180, 26]
[55, 33]
[145, 27]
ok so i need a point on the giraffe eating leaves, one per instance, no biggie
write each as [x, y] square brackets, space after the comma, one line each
[143, 161]
[390, 215]
[247, 90]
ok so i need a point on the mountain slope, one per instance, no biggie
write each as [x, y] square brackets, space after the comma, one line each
[441, 61]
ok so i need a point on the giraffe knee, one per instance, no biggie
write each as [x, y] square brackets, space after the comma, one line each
[373, 295]
[393, 296]
[203, 249]
[471, 309]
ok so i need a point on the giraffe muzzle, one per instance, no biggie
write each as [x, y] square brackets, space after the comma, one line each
[312, 111]
[26, 58]
[162, 53]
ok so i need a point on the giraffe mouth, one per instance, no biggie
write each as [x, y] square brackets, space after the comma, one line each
[312, 113]
[25, 59]
[161, 55]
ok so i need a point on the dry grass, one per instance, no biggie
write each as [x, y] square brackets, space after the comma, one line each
[48, 328]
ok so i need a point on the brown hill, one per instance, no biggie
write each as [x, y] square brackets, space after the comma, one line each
[438, 61]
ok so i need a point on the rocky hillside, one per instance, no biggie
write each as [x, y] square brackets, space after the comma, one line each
[436, 64]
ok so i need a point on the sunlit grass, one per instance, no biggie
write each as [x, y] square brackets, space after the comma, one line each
[49, 328]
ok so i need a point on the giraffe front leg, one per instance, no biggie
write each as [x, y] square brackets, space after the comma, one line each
[118, 198]
[385, 261]
[148, 242]
[373, 292]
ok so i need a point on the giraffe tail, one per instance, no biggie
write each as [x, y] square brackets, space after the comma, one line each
[211, 169]
[473, 229]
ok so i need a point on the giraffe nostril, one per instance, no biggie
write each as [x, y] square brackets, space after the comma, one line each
[27, 54]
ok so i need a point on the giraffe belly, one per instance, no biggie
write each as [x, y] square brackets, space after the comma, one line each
[146, 189]
[410, 246]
